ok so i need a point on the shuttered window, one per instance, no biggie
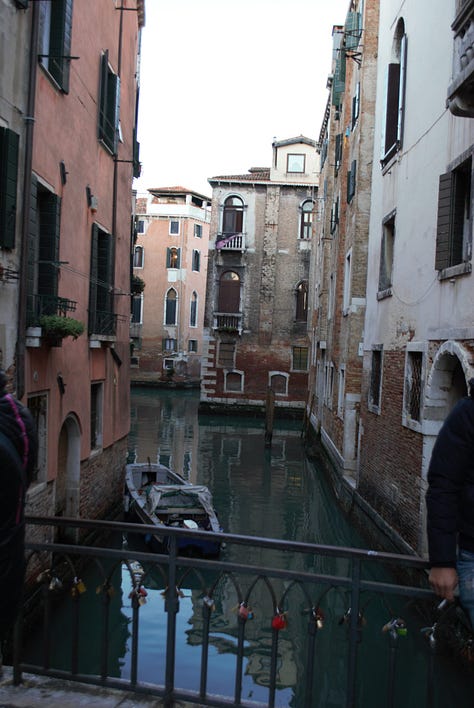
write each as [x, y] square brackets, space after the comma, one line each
[171, 307]
[101, 312]
[392, 136]
[55, 40]
[109, 104]
[8, 186]
[453, 240]
[351, 181]
[173, 257]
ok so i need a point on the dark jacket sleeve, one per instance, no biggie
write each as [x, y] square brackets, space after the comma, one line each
[450, 483]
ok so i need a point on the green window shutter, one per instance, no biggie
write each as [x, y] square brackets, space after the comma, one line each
[168, 257]
[31, 257]
[178, 263]
[104, 71]
[48, 256]
[339, 81]
[93, 278]
[351, 181]
[352, 30]
[338, 152]
[391, 111]
[113, 106]
[105, 272]
[445, 217]
[60, 42]
[8, 186]
[136, 155]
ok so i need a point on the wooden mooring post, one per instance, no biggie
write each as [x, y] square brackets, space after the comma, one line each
[269, 414]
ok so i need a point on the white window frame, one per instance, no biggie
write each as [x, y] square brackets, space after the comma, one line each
[285, 375]
[346, 302]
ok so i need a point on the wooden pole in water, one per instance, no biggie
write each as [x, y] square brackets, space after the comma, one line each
[270, 409]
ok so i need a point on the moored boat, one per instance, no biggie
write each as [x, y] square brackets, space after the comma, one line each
[162, 498]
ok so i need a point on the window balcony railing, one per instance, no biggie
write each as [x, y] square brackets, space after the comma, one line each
[39, 305]
[102, 323]
[230, 242]
[228, 322]
[461, 90]
[319, 609]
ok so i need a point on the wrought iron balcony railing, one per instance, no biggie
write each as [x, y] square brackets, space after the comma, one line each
[39, 305]
[312, 601]
[102, 323]
[228, 322]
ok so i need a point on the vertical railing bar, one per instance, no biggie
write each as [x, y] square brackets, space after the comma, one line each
[430, 702]
[46, 626]
[240, 656]
[273, 671]
[75, 633]
[104, 662]
[171, 607]
[312, 632]
[206, 613]
[17, 647]
[135, 620]
[354, 630]
[391, 671]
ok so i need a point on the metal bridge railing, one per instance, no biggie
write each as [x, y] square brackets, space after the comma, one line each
[317, 573]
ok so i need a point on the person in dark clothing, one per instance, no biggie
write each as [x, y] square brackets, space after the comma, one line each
[450, 506]
[18, 453]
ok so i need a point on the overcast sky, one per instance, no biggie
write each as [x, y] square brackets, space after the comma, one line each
[220, 80]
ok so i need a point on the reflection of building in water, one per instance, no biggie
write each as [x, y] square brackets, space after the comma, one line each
[164, 428]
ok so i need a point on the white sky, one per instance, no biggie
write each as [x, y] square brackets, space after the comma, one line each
[220, 80]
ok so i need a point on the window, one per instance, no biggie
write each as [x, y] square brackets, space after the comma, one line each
[137, 309]
[301, 301]
[55, 25]
[355, 105]
[169, 345]
[192, 345]
[101, 298]
[341, 391]
[193, 310]
[196, 261]
[109, 101]
[306, 219]
[171, 307]
[453, 237]
[329, 384]
[413, 384]
[351, 181]
[334, 215]
[375, 380]
[198, 230]
[395, 96]
[174, 227]
[173, 257]
[96, 415]
[386, 255]
[338, 153]
[226, 354]
[38, 407]
[43, 253]
[140, 226]
[331, 295]
[295, 163]
[229, 292]
[8, 186]
[233, 216]
[347, 282]
[279, 383]
[138, 257]
[234, 381]
[300, 359]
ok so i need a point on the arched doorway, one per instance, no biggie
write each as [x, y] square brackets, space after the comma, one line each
[68, 477]
[447, 383]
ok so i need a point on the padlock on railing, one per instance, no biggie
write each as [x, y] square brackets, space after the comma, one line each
[279, 620]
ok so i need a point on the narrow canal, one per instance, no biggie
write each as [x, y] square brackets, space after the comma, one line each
[275, 493]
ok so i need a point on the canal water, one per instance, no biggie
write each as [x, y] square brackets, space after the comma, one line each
[268, 492]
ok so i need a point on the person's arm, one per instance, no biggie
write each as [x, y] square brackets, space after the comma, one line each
[444, 581]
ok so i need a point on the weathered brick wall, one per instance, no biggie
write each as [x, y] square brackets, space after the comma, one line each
[390, 455]
[102, 482]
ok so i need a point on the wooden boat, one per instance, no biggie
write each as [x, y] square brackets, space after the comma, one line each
[160, 497]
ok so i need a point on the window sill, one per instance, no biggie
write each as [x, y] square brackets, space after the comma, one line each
[411, 424]
[373, 408]
[382, 294]
[455, 271]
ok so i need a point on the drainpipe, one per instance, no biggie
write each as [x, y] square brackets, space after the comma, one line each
[115, 178]
[29, 125]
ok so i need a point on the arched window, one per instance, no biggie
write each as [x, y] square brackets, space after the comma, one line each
[138, 257]
[301, 301]
[171, 307]
[306, 222]
[229, 292]
[193, 310]
[395, 96]
[234, 381]
[233, 216]
[279, 384]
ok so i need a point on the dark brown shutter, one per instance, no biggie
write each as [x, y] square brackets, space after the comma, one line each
[444, 226]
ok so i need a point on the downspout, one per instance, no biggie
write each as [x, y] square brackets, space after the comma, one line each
[115, 178]
[29, 125]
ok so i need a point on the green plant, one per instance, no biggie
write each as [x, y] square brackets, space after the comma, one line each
[137, 285]
[59, 326]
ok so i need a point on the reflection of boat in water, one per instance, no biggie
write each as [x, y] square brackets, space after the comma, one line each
[162, 498]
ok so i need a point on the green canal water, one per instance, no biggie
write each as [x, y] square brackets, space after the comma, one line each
[276, 493]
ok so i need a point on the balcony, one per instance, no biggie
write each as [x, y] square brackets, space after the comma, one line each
[102, 326]
[39, 305]
[461, 91]
[228, 322]
[230, 242]
[343, 606]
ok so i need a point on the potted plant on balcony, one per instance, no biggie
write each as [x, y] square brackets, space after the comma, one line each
[55, 328]
[137, 285]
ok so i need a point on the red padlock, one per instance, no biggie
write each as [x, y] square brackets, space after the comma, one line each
[278, 622]
[243, 610]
